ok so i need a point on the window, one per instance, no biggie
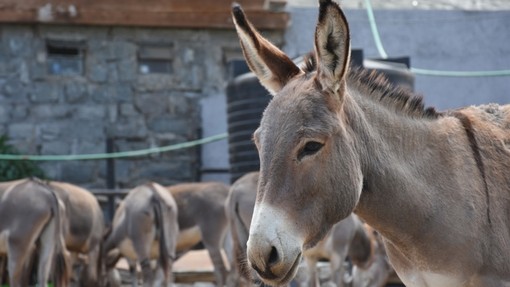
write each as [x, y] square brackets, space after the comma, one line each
[155, 60]
[65, 58]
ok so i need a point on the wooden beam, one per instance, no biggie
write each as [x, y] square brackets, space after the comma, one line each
[147, 13]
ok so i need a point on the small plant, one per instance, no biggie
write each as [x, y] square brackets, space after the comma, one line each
[16, 169]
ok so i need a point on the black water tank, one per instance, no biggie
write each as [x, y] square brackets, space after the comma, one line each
[395, 69]
[247, 99]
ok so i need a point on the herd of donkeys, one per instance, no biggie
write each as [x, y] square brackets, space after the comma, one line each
[58, 230]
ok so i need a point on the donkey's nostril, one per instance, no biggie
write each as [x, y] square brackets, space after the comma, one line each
[273, 256]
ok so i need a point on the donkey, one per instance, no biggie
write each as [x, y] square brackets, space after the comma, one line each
[379, 271]
[239, 208]
[85, 227]
[347, 237]
[202, 219]
[32, 214]
[334, 140]
[144, 228]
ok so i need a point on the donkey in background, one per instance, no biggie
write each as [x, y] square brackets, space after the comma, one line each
[84, 230]
[202, 219]
[379, 271]
[145, 228]
[32, 215]
[334, 140]
[199, 217]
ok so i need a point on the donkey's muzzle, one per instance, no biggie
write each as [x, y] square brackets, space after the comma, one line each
[273, 264]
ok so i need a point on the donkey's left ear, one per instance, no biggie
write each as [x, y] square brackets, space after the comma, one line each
[332, 46]
[272, 67]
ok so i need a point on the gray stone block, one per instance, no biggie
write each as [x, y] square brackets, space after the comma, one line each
[128, 110]
[129, 128]
[14, 91]
[153, 104]
[50, 131]
[51, 169]
[98, 72]
[91, 129]
[90, 147]
[75, 92]
[90, 112]
[45, 92]
[181, 105]
[157, 83]
[19, 112]
[19, 40]
[21, 130]
[58, 147]
[127, 69]
[4, 113]
[124, 93]
[112, 93]
[79, 172]
[38, 71]
[171, 124]
[46, 111]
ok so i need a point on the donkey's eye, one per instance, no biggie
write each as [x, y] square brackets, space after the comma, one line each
[310, 148]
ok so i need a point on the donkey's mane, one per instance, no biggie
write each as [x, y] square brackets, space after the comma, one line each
[377, 86]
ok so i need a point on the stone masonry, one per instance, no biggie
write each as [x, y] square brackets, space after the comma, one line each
[43, 113]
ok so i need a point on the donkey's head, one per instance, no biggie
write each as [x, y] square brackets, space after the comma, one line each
[310, 176]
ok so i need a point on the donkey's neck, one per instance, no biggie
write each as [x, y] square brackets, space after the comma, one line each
[409, 166]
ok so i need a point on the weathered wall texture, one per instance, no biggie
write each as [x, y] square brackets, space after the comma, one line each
[53, 115]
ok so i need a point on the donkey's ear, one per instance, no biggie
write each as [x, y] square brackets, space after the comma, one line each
[332, 46]
[273, 68]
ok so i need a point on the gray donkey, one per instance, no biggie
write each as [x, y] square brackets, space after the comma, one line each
[30, 213]
[144, 228]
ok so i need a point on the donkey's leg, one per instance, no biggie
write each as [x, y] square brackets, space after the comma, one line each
[46, 252]
[133, 272]
[110, 255]
[93, 268]
[142, 239]
[3, 259]
[311, 270]
[338, 272]
[18, 252]
[212, 237]
[217, 259]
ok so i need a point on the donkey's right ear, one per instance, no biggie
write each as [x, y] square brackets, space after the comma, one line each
[273, 68]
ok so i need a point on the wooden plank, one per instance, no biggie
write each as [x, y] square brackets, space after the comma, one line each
[154, 13]
[135, 5]
[220, 20]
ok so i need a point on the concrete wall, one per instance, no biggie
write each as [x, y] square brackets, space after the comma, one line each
[441, 40]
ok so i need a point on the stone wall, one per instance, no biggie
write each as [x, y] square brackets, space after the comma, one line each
[48, 114]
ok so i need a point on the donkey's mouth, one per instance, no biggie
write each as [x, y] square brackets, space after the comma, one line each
[273, 280]
[292, 271]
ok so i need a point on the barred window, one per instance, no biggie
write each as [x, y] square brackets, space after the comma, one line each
[65, 58]
[155, 60]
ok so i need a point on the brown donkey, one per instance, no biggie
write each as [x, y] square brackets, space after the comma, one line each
[31, 214]
[333, 141]
[145, 228]
[202, 219]
[85, 228]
